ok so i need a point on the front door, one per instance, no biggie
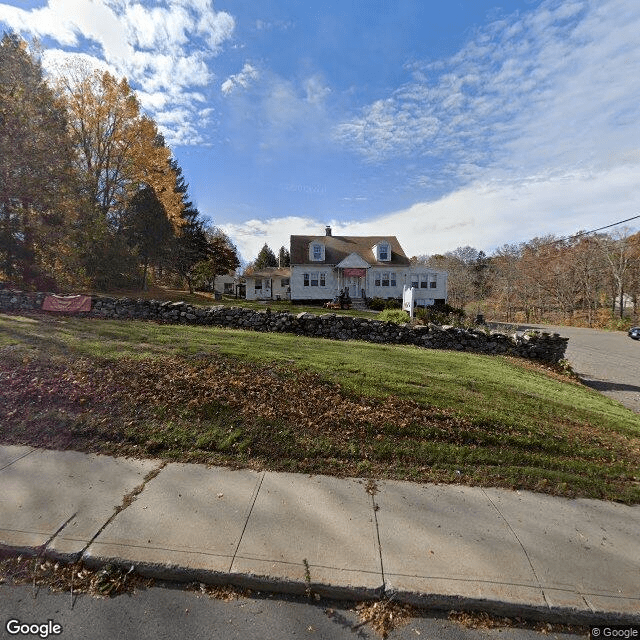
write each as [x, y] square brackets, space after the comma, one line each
[353, 283]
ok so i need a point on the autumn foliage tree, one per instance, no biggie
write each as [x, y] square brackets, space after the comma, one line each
[38, 200]
[222, 258]
[118, 149]
[89, 192]
[119, 156]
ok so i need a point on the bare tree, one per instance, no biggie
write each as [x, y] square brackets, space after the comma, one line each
[618, 250]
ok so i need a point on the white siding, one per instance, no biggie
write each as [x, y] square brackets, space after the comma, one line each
[301, 292]
[386, 291]
[277, 288]
[222, 280]
[426, 295]
[403, 276]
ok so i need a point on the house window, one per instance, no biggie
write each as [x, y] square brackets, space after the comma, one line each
[228, 287]
[424, 281]
[385, 278]
[317, 252]
[433, 283]
[415, 280]
[305, 279]
[323, 282]
[383, 252]
[314, 279]
[284, 282]
[392, 279]
[258, 285]
[376, 279]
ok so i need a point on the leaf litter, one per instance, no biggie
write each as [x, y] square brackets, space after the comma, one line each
[220, 410]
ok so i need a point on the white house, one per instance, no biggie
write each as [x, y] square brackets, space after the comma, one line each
[227, 284]
[269, 284]
[368, 266]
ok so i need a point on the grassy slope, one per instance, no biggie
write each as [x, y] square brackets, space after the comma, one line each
[501, 422]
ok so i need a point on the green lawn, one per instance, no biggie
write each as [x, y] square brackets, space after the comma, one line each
[287, 402]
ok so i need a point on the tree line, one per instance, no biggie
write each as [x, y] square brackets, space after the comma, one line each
[90, 194]
[588, 279]
[267, 259]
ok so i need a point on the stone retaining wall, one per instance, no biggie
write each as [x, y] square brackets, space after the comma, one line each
[535, 345]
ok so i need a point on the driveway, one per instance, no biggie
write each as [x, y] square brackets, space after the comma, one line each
[608, 361]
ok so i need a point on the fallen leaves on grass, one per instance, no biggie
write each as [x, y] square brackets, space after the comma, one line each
[125, 390]
[220, 410]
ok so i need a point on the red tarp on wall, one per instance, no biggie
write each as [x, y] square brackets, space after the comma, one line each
[67, 303]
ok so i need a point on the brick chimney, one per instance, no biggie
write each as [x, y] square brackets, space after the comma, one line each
[327, 230]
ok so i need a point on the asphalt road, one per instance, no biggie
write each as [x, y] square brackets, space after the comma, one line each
[164, 613]
[608, 361]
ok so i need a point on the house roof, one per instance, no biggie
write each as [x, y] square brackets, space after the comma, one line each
[353, 260]
[337, 248]
[271, 272]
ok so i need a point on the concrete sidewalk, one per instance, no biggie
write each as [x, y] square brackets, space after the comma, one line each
[512, 553]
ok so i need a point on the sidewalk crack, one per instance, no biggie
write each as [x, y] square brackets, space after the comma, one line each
[515, 535]
[44, 545]
[246, 522]
[24, 455]
[127, 500]
[587, 603]
[372, 488]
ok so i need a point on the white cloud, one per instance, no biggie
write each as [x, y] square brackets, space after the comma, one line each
[161, 47]
[243, 79]
[278, 116]
[558, 86]
[316, 90]
[484, 215]
[40, 22]
[57, 60]
[268, 25]
[530, 128]
[251, 235]
[488, 214]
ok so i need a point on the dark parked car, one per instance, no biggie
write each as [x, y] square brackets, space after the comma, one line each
[634, 333]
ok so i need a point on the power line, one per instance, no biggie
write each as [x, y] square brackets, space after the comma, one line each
[586, 233]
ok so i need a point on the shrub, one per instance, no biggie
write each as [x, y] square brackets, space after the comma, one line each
[377, 304]
[393, 315]
[392, 303]
[448, 310]
[440, 314]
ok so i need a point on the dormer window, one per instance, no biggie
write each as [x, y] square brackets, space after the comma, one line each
[316, 252]
[384, 252]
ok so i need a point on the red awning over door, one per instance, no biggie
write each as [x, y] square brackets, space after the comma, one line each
[357, 273]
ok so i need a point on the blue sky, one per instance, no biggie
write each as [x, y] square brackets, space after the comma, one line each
[468, 122]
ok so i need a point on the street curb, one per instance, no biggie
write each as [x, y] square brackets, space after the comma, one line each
[536, 613]
[420, 600]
